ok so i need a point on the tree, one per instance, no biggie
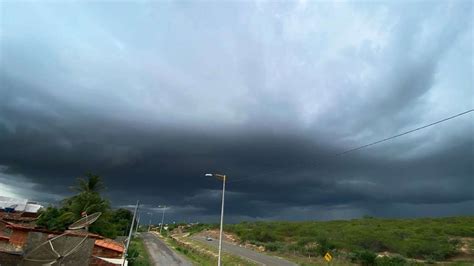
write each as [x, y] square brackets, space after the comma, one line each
[122, 219]
[110, 224]
[91, 184]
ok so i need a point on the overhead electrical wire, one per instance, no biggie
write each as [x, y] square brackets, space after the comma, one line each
[375, 142]
[404, 133]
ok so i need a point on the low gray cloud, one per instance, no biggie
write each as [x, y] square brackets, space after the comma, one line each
[152, 95]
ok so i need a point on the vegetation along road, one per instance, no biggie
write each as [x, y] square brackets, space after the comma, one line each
[246, 253]
[160, 253]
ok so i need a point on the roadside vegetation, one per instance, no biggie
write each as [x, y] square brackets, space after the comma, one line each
[196, 257]
[204, 255]
[137, 253]
[87, 199]
[360, 240]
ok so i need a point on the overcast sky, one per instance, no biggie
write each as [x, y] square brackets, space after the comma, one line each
[152, 95]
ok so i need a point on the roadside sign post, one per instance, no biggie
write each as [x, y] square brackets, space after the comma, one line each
[328, 257]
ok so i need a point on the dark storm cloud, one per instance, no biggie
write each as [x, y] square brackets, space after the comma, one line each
[153, 95]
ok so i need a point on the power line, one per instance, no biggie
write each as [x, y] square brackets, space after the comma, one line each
[372, 143]
[404, 133]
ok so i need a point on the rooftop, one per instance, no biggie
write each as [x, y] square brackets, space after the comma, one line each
[110, 244]
[21, 205]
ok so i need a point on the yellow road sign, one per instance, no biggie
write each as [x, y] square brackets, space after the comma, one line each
[328, 257]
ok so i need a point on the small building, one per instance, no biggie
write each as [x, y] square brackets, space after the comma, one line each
[19, 235]
[19, 205]
[17, 240]
[107, 252]
[18, 211]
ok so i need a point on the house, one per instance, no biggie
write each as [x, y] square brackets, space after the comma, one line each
[19, 205]
[16, 240]
[18, 211]
[106, 252]
[19, 236]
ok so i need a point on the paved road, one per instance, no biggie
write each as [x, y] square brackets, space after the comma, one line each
[254, 256]
[160, 253]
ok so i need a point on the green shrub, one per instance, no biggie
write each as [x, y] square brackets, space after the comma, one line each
[324, 246]
[265, 236]
[437, 249]
[304, 241]
[364, 257]
[273, 246]
[390, 261]
[183, 250]
[133, 252]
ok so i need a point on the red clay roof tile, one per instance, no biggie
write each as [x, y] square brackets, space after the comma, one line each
[110, 244]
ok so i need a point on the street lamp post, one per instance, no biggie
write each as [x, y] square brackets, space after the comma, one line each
[162, 217]
[223, 178]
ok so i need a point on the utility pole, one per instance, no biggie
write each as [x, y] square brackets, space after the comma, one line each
[130, 232]
[138, 222]
[223, 178]
[149, 223]
[162, 218]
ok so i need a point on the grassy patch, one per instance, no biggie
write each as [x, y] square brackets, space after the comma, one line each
[204, 259]
[227, 259]
[137, 254]
[196, 257]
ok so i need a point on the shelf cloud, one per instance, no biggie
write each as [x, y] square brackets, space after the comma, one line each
[153, 95]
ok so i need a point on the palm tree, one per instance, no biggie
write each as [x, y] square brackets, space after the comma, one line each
[88, 200]
[91, 184]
